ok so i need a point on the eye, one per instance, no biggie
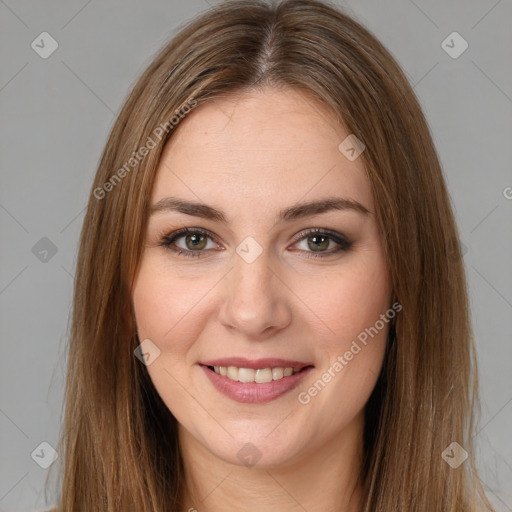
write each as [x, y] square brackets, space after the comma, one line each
[317, 241]
[195, 242]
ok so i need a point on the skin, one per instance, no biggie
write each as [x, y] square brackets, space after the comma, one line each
[252, 155]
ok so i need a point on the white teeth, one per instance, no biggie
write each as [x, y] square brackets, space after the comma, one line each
[263, 375]
[246, 374]
[260, 376]
[277, 373]
[232, 373]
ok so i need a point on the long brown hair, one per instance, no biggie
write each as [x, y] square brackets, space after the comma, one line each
[119, 445]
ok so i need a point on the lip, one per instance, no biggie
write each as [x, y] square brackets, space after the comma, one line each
[255, 364]
[252, 392]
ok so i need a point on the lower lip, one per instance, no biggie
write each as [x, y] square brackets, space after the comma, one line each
[251, 392]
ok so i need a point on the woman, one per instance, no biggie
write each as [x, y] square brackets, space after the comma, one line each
[270, 310]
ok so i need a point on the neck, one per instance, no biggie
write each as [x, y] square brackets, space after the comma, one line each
[324, 479]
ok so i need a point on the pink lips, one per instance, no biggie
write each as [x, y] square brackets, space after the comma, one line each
[253, 392]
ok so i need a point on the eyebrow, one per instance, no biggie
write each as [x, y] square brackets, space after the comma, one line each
[297, 211]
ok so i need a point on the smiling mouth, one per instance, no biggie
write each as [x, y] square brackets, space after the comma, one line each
[258, 376]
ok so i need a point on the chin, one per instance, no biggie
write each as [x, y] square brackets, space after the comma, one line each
[259, 453]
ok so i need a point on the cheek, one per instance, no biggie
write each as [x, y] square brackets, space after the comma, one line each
[168, 308]
[357, 300]
[168, 311]
[352, 300]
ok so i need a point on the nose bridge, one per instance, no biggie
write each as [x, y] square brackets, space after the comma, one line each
[251, 276]
[255, 299]
[252, 268]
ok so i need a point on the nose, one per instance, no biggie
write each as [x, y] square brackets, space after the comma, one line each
[256, 303]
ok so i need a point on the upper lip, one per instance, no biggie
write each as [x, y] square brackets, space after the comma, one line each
[242, 362]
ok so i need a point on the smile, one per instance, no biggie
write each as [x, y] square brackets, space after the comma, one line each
[260, 375]
[255, 381]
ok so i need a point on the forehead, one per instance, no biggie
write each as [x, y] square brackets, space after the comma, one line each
[271, 147]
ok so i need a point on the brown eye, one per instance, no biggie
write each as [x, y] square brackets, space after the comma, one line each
[195, 242]
[318, 241]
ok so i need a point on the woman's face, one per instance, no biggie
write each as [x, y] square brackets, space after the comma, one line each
[255, 294]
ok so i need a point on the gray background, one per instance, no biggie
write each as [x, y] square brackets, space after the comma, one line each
[55, 117]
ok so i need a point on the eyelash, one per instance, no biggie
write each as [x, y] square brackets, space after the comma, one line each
[168, 240]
